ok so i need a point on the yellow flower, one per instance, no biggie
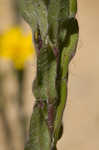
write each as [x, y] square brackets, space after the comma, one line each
[16, 47]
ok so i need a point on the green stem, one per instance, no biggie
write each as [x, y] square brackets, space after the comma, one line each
[56, 29]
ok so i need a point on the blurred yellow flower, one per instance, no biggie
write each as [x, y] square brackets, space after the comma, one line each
[16, 46]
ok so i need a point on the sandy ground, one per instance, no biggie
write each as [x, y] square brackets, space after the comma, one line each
[81, 117]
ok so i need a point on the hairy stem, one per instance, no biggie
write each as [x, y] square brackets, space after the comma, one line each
[55, 34]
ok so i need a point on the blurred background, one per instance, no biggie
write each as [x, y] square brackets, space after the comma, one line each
[17, 71]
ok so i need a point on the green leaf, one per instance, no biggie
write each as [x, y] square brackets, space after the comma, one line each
[39, 137]
[35, 13]
[44, 85]
[41, 10]
[52, 73]
[64, 10]
[53, 18]
[66, 55]
[28, 12]
[72, 8]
